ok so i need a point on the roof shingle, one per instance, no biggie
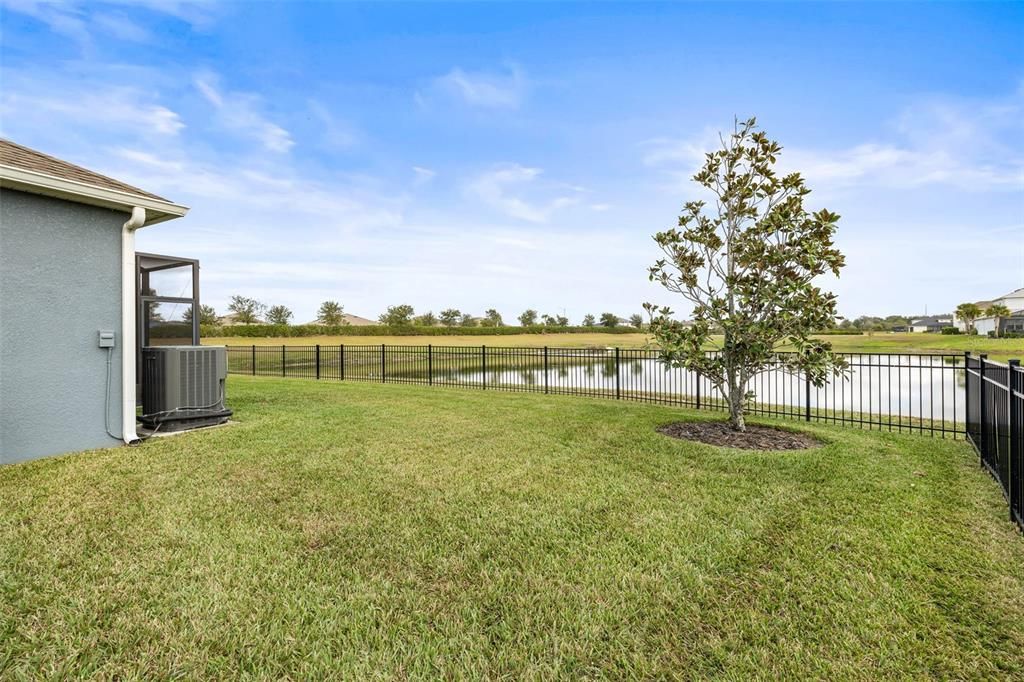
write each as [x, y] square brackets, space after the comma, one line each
[24, 158]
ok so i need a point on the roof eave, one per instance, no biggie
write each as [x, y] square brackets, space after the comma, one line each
[157, 210]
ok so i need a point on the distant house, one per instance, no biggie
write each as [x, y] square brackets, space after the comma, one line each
[932, 324]
[357, 321]
[1013, 300]
[1009, 324]
[231, 320]
[353, 320]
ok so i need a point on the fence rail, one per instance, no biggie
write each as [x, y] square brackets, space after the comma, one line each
[920, 393]
[995, 415]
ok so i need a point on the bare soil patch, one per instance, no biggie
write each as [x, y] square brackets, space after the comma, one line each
[754, 438]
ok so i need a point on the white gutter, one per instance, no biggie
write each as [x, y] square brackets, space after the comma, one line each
[128, 305]
[84, 193]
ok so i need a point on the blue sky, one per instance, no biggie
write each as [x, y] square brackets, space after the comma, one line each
[521, 155]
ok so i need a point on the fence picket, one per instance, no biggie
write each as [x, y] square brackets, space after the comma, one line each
[1015, 414]
[996, 437]
[908, 392]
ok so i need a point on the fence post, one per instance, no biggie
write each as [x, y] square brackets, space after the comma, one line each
[383, 366]
[483, 364]
[618, 390]
[318, 361]
[283, 361]
[698, 378]
[341, 363]
[982, 435]
[545, 369]
[807, 397]
[1015, 435]
[430, 364]
[967, 395]
[254, 359]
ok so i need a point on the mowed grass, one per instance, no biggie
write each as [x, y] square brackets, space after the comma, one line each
[998, 349]
[360, 531]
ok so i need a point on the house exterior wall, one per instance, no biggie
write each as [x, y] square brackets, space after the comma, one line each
[985, 325]
[1012, 302]
[1012, 325]
[60, 283]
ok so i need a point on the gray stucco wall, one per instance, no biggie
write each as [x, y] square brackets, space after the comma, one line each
[60, 283]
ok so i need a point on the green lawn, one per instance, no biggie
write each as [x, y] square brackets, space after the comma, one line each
[998, 349]
[358, 531]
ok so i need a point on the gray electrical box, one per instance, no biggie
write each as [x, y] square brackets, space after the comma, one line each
[106, 339]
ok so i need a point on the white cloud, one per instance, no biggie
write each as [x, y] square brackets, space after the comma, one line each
[963, 144]
[87, 23]
[119, 26]
[489, 90]
[240, 113]
[423, 175]
[66, 19]
[150, 160]
[892, 166]
[688, 152]
[495, 188]
[517, 242]
[336, 133]
[198, 14]
[273, 190]
[502, 269]
[89, 106]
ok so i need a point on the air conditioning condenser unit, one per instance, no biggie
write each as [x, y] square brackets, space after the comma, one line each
[183, 387]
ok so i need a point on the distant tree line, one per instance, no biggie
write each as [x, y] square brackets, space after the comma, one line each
[868, 323]
[404, 315]
[250, 311]
[968, 313]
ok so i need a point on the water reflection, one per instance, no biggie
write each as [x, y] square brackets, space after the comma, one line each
[928, 387]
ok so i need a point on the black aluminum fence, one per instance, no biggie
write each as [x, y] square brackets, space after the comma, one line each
[995, 415]
[919, 393]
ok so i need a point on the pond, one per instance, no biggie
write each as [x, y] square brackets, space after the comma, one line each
[908, 391]
[928, 387]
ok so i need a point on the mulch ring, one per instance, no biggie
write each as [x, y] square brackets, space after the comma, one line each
[754, 438]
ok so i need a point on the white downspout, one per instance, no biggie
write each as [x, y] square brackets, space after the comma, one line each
[128, 306]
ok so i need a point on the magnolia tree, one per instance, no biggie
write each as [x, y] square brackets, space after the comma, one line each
[747, 262]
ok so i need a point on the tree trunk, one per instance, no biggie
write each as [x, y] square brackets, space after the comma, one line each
[736, 421]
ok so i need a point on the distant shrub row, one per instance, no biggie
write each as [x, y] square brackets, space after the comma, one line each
[277, 330]
[839, 332]
[299, 330]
